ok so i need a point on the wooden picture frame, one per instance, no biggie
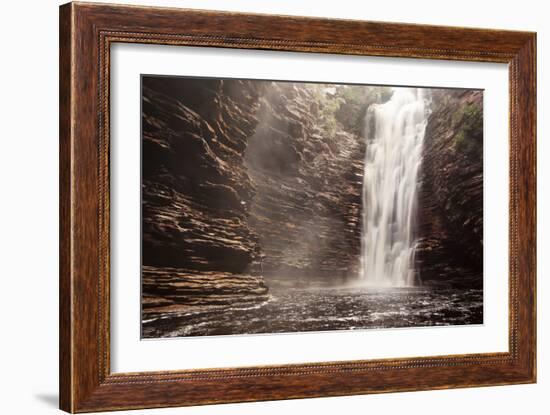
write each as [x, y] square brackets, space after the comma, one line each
[86, 33]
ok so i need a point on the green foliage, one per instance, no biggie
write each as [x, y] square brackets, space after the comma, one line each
[469, 123]
[344, 106]
[383, 94]
[356, 100]
[327, 104]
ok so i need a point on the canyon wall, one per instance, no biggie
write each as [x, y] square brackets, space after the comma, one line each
[307, 172]
[450, 228]
[245, 181]
[195, 195]
[195, 191]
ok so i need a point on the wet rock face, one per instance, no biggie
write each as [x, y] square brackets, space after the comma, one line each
[194, 195]
[244, 165]
[307, 204]
[240, 181]
[450, 228]
[175, 292]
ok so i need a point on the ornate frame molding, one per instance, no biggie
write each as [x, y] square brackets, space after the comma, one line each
[86, 34]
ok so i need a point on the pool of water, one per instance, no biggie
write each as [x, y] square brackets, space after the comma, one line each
[322, 309]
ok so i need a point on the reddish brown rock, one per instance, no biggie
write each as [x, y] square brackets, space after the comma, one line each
[450, 249]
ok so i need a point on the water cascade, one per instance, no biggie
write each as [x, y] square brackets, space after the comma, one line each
[395, 132]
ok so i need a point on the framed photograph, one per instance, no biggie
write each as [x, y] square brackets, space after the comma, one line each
[260, 207]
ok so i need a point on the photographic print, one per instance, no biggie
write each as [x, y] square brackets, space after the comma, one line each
[276, 206]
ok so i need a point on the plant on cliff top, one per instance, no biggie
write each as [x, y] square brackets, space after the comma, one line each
[343, 107]
[469, 136]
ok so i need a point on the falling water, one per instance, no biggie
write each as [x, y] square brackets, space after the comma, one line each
[395, 132]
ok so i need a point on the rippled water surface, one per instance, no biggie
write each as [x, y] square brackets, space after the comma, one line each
[295, 310]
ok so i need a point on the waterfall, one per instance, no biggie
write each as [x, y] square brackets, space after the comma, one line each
[395, 132]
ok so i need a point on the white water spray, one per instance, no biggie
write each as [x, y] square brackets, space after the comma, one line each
[392, 162]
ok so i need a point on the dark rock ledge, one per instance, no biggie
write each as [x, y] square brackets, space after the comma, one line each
[174, 291]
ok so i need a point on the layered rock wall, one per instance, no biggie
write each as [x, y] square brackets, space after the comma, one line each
[243, 180]
[450, 228]
[196, 192]
[307, 178]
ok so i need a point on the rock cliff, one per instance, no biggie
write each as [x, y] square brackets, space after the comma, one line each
[243, 181]
[307, 178]
[450, 246]
[195, 193]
